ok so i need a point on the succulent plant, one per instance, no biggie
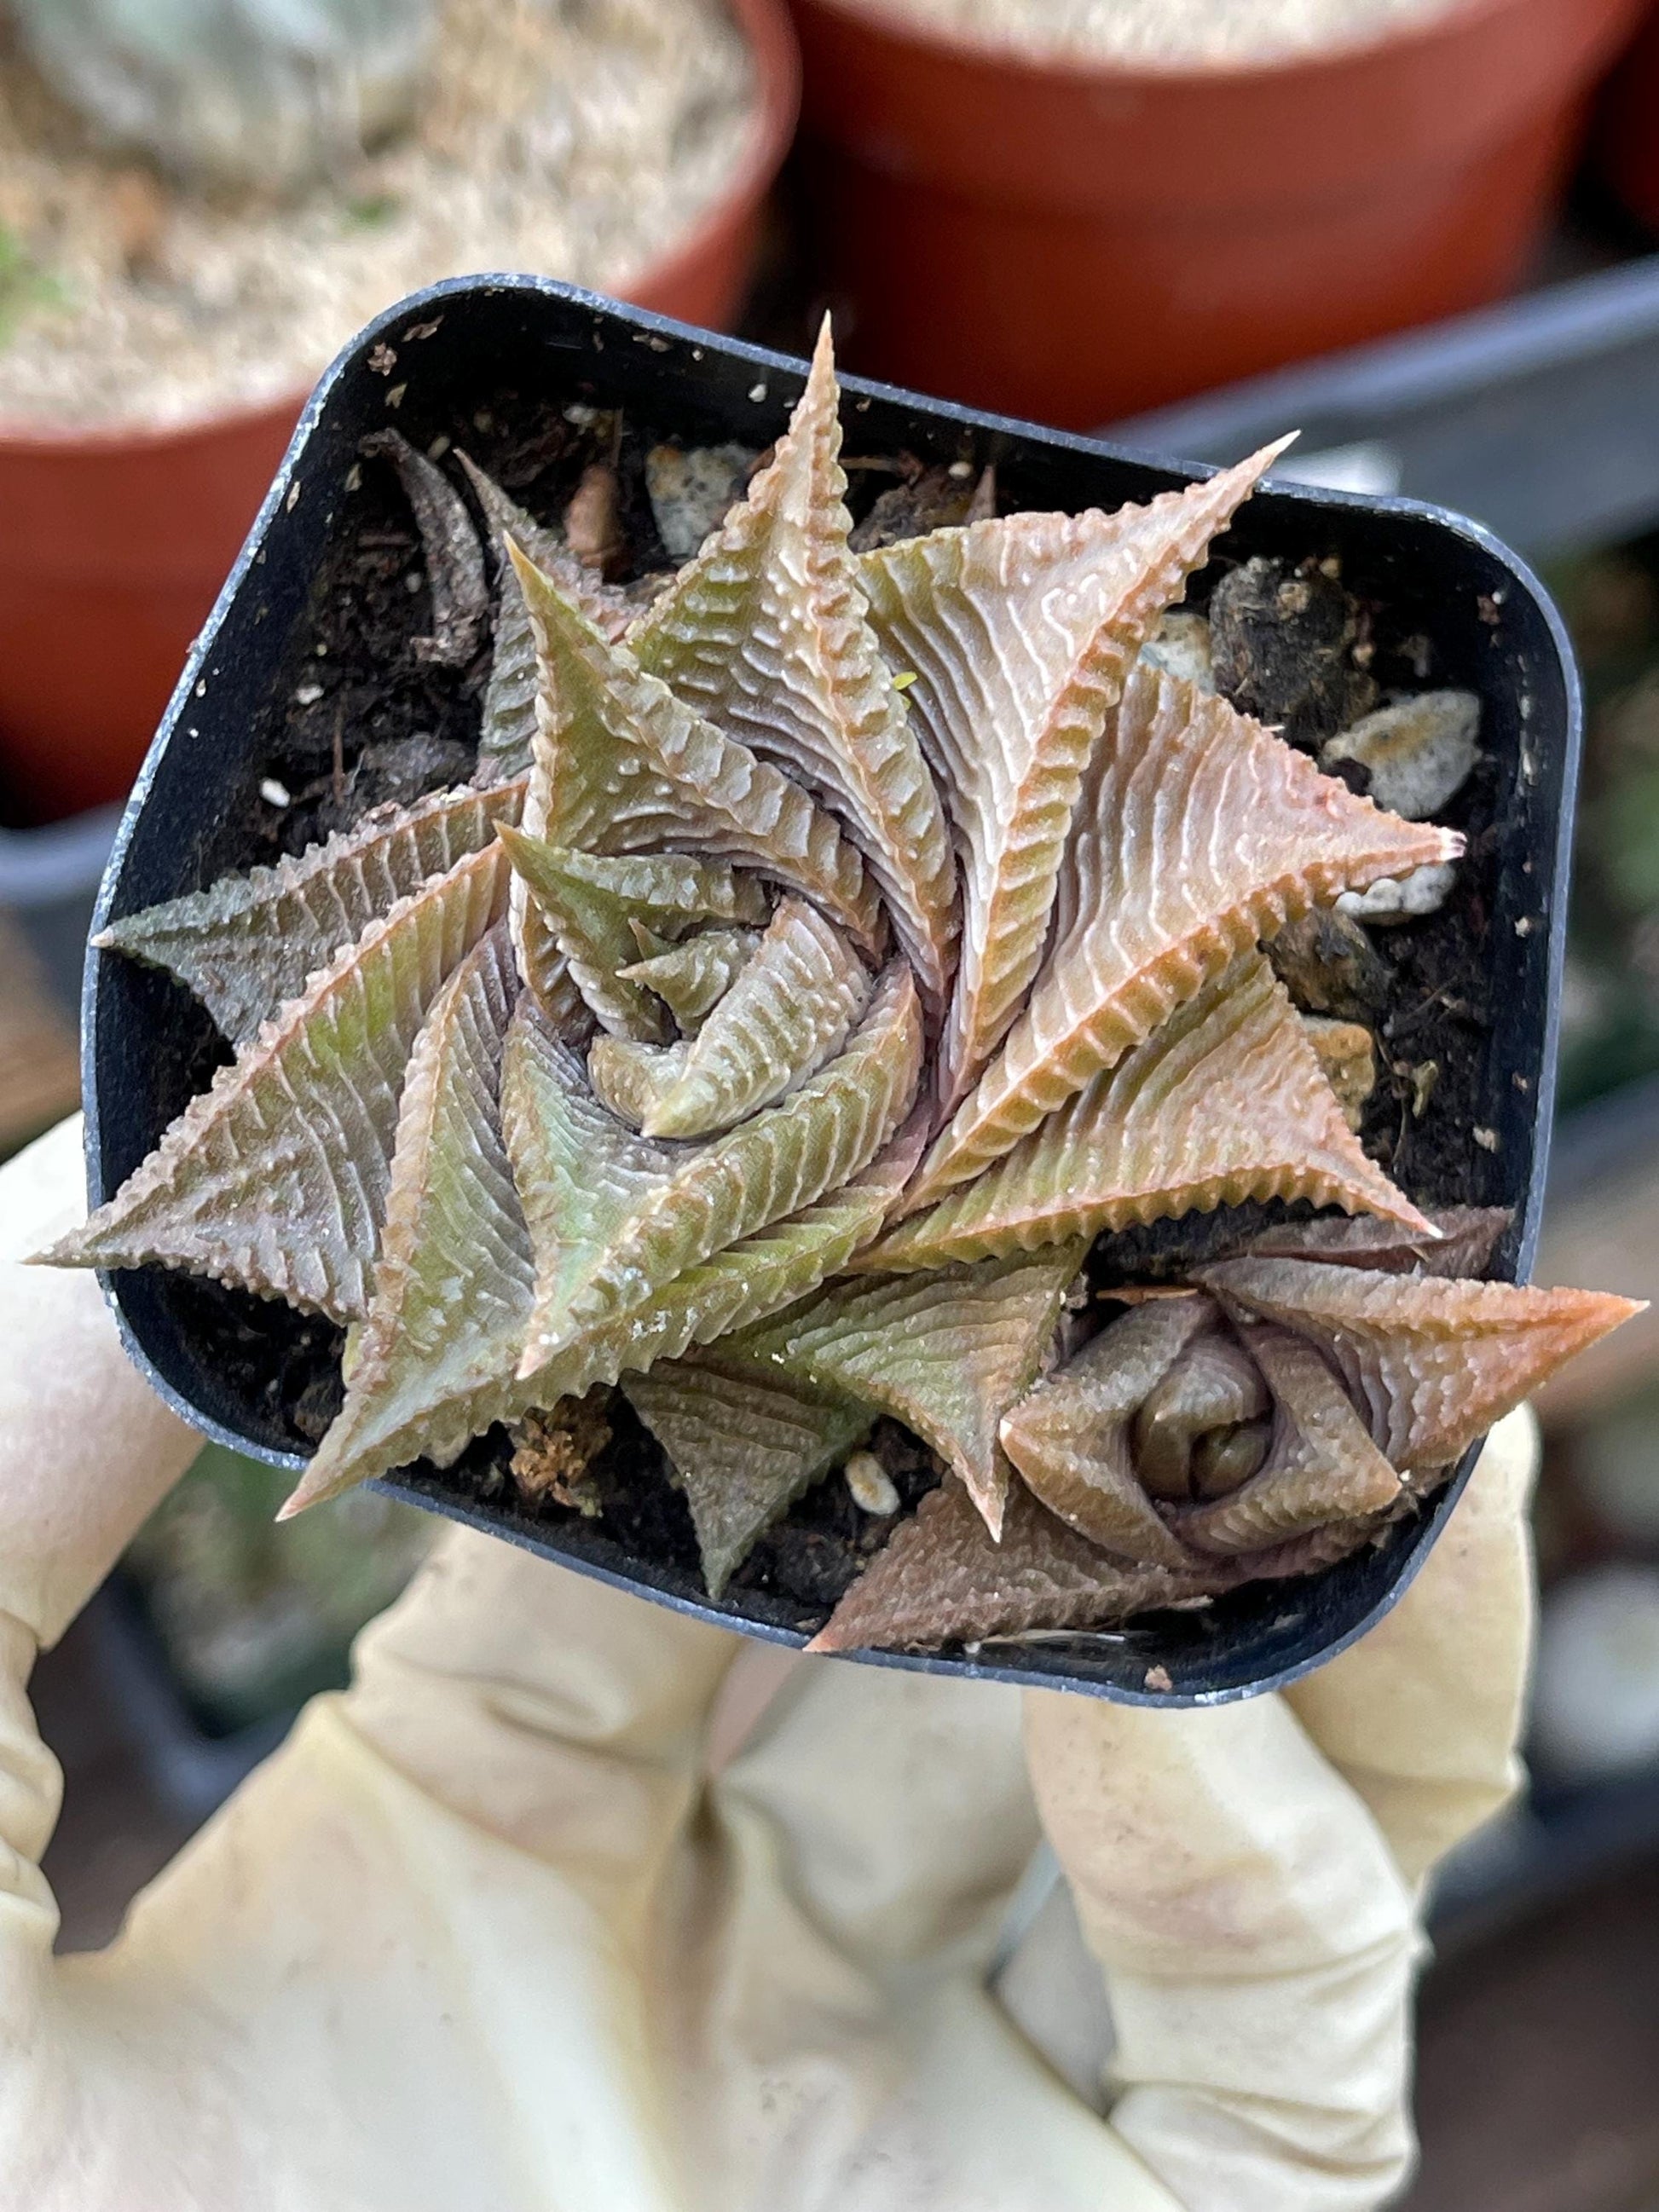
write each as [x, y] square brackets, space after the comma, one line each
[828, 956]
[263, 92]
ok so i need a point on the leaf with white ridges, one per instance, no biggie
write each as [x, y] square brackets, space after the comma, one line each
[946, 1354]
[626, 768]
[508, 728]
[941, 1578]
[790, 1009]
[1467, 1237]
[691, 979]
[1321, 1465]
[453, 1284]
[1019, 634]
[275, 1179]
[1198, 831]
[1070, 1439]
[779, 1161]
[1225, 1102]
[249, 942]
[766, 635]
[1431, 1363]
[746, 1449]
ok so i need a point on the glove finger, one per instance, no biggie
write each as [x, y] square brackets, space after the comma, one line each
[87, 1448]
[1258, 1942]
[897, 1804]
[1422, 1715]
[548, 1707]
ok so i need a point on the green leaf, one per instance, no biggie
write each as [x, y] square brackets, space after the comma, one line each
[275, 1179]
[249, 942]
[690, 979]
[635, 1225]
[1018, 633]
[745, 1448]
[1197, 833]
[765, 635]
[1225, 1102]
[946, 1354]
[454, 1283]
[630, 1079]
[790, 1009]
[622, 766]
[941, 1577]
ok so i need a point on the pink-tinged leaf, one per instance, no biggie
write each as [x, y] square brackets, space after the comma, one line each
[621, 766]
[275, 1179]
[1073, 1438]
[946, 1354]
[1468, 1236]
[942, 1578]
[765, 634]
[249, 942]
[745, 1448]
[1197, 833]
[1431, 1364]
[452, 1283]
[1018, 635]
[1226, 1102]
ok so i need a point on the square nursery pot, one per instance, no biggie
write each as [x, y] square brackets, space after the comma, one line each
[229, 1363]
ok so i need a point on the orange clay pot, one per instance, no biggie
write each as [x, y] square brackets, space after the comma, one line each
[1076, 243]
[1629, 132]
[114, 544]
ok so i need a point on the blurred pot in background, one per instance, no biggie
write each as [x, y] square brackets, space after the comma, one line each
[161, 320]
[1629, 130]
[1077, 238]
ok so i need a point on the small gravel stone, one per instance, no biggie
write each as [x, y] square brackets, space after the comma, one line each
[872, 1487]
[1181, 645]
[1419, 753]
[1329, 965]
[1402, 898]
[1347, 1053]
[690, 492]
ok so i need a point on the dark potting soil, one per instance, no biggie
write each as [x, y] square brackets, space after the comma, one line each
[360, 720]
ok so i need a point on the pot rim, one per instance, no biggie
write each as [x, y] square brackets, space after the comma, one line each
[769, 36]
[1317, 72]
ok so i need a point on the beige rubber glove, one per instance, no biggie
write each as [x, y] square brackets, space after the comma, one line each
[571, 1904]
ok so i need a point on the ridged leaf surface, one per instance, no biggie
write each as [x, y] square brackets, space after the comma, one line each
[1198, 832]
[691, 978]
[1226, 1102]
[765, 633]
[275, 1179]
[1018, 633]
[249, 942]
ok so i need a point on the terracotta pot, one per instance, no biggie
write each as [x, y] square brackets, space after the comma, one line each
[1079, 243]
[114, 544]
[1629, 132]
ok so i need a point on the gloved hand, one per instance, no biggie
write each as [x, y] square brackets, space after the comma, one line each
[571, 1903]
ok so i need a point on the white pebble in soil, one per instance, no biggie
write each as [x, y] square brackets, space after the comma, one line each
[871, 1484]
[1419, 752]
[1180, 645]
[1402, 898]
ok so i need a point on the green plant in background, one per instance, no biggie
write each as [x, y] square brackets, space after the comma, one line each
[24, 284]
[262, 92]
[827, 959]
[256, 1616]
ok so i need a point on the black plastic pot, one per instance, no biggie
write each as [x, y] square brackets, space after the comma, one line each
[457, 346]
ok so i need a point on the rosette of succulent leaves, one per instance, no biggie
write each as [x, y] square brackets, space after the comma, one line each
[824, 960]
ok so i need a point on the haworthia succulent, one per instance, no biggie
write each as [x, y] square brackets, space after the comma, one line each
[275, 1179]
[1072, 1436]
[765, 634]
[791, 1007]
[626, 768]
[507, 726]
[745, 1448]
[454, 1281]
[1226, 1102]
[249, 942]
[711, 1195]
[1263, 836]
[1018, 633]
[1431, 1363]
[629, 1077]
[944, 1353]
[1464, 1241]
[942, 1578]
[1321, 1465]
[691, 978]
